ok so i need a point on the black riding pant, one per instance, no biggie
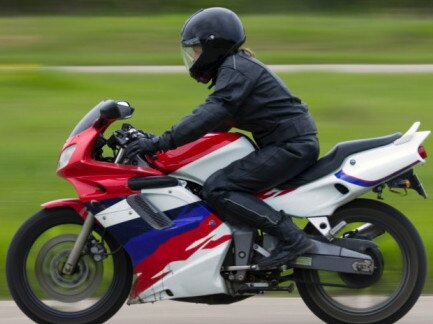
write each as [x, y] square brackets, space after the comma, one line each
[230, 191]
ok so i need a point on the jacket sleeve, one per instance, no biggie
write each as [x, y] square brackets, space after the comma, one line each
[231, 88]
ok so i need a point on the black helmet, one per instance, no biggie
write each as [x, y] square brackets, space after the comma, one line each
[219, 32]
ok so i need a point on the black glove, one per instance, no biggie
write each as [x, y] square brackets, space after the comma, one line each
[146, 135]
[141, 146]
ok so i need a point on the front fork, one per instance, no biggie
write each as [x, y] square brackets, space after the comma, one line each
[75, 254]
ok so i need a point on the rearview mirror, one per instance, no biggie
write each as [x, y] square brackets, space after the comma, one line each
[115, 110]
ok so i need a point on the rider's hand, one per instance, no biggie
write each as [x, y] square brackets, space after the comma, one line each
[141, 146]
[146, 135]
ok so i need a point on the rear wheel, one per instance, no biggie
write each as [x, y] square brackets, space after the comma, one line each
[394, 287]
[91, 294]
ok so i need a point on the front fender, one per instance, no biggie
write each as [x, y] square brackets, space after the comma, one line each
[75, 204]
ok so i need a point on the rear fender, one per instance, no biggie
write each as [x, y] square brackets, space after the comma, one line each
[75, 204]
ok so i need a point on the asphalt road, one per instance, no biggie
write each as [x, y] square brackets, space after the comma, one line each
[270, 310]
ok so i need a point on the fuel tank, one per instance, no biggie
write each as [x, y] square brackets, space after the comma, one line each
[196, 161]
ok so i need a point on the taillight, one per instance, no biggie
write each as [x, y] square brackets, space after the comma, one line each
[422, 152]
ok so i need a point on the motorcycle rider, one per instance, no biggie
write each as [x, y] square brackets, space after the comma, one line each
[250, 97]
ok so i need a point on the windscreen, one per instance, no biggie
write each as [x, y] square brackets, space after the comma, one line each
[87, 120]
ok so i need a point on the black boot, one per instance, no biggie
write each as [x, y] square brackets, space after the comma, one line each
[293, 242]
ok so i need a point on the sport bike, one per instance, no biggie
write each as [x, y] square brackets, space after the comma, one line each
[140, 232]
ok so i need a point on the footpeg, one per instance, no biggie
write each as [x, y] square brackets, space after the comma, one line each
[240, 268]
[331, 234]
[261, 250]
[260, 287]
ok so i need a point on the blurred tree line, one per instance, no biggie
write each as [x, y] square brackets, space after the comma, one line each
[131, 7]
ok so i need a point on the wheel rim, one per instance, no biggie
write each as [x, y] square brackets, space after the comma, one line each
[91, 282]
[66, 288]
[385, 296]
[370, 298]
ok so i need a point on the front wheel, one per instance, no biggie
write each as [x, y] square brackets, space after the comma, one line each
[91, 294]
[396, 283]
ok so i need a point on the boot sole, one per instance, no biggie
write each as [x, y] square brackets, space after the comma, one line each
[289, 257]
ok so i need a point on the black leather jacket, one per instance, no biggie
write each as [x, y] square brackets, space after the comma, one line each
[250, 97]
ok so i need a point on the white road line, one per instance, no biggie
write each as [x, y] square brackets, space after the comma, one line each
[173, 69]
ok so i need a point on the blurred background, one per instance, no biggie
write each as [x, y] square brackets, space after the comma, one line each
[40, 104]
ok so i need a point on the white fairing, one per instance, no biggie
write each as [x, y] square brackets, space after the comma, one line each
[162, 198]
[365, 170]
[320, 197]
[199, 170]
[199, 275]
[378, 163]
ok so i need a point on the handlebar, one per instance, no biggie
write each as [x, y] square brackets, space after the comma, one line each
[121, 138]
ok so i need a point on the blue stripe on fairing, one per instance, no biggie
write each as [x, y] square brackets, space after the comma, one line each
[362, 183]
[140, 240]
[366, 183]
[105, 203]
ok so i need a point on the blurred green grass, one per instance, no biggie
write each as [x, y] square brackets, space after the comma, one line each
[39, 109]
[284, 39]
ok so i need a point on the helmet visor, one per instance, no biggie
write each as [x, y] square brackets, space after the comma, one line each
[190, 54]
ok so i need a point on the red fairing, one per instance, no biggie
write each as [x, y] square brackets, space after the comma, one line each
[173, 160]
[274, 193]
[75, 204]
[97, 180]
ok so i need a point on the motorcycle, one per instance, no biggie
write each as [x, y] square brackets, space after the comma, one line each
[139, 230]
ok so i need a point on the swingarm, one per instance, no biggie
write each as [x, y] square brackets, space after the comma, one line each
[340, 256]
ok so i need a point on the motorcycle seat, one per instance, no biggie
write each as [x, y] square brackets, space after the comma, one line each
[335, 157]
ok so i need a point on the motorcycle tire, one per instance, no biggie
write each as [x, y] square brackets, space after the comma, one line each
[396, 283]
[26, 287]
